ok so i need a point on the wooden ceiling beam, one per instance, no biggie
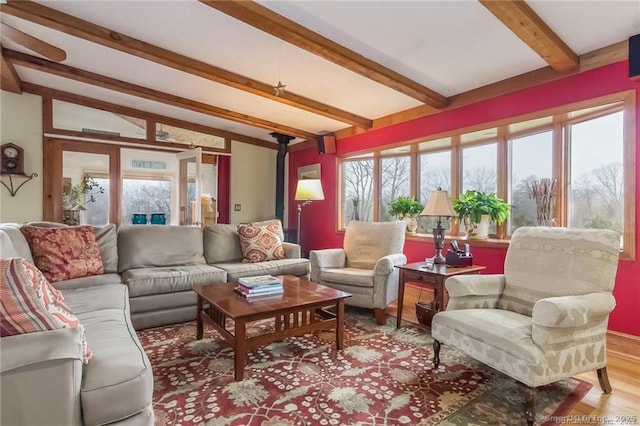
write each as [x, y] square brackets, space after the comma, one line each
[10, 80]
[530, 28]
[277, 25]
[68, 24]
[89, 77]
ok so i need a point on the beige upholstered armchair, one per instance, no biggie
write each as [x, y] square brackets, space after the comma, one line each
[365, 267]
[544, 319]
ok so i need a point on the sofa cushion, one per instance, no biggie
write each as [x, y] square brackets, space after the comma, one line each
[64, 253]
[118, 382]
[107, 239]
[149, 246]
[13, 243]
[170, 279]
[349, 276]
[108, 296]
[261, 241]
[221, 244]
[30, 304]
[90, 281]
[298, 267]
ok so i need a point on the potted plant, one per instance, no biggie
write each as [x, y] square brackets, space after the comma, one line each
[75, 197]
[477, 209]
[407, 209]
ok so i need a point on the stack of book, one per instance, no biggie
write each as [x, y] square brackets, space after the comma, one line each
[260, 286]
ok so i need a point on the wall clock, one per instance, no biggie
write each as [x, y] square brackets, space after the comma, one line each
[11, 159]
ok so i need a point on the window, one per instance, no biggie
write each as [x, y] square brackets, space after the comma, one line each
[146, 196]
[531, 160]
[586, 151]
[395, 180]
[596, 199]
[357, 199]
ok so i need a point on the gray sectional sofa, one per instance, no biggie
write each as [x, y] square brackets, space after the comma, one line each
[149, 273]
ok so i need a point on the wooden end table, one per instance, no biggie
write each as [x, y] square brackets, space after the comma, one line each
[432, 278]
[301, 309]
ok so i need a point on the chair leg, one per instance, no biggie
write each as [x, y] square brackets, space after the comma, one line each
[381, 317]
[436, 353]
[603, 378]
[530, 405]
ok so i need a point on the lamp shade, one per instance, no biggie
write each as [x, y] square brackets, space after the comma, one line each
[309, 189]
[439, 205]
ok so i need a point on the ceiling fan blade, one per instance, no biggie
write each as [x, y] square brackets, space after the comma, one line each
[34, 44]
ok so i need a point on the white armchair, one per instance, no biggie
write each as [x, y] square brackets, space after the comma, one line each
[365, 267]
[545, 318]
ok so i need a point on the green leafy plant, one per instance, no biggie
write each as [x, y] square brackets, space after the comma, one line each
[405, 206]
[473, 204]
[81, 193]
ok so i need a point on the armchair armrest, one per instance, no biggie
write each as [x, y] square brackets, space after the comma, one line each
[572, 311]
[474, 291]
[291, 250]
[327, 258]
[385, 265]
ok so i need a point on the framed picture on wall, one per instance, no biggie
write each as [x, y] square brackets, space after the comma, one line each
[311, 171]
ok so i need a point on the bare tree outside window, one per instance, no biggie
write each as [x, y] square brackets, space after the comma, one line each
[596, 196]
[98, 212]
[395, 180]
[145, 196]
[358, 190]
[480, 171]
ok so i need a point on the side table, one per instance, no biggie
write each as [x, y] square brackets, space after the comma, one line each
[433, 278]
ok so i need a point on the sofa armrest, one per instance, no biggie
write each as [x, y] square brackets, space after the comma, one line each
[386, 264]
[572, 311]
[42, 369]
[474, 291]
[291, 250]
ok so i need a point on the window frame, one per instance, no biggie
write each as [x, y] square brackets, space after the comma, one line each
[560, 120]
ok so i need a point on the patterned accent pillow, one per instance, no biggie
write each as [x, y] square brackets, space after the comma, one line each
[261, 242]
[64, 253]
[28, 303]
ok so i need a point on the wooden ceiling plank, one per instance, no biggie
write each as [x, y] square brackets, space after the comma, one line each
[10, 80]
[89, 77]
[119, 109]
[518, 16]
[68, 24]
[34, 44]
[277, 25]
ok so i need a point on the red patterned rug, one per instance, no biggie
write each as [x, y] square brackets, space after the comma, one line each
[383, 376]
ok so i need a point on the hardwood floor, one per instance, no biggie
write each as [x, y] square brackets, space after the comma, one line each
[621, 407]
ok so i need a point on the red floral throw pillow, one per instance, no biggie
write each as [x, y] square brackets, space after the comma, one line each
[261, 242]
[28, 303]
[64, 253]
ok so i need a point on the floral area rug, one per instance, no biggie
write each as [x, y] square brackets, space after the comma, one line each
[383, 376]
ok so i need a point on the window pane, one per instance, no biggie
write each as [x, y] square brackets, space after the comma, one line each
[85, 193]
[531, 159]
[358, 191]
[167, 133]
[145, 196]
[479, 168]
[94, 121]
[435, 171]
[596, 178]
[395, 180]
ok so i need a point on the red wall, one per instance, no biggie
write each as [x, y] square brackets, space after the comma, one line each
[319, 219]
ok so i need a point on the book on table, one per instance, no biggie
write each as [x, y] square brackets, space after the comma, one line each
[260, 281]
[256, 293]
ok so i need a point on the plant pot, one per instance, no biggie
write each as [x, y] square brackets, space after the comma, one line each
[477, 231]
[412, 224]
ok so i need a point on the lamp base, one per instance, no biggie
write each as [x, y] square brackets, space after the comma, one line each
[439, 258]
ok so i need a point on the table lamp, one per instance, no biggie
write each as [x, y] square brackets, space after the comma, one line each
[438, 206]
[308, 190]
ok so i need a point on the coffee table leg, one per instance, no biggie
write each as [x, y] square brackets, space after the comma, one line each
[239, 349]
[340, 325]
[199, 327]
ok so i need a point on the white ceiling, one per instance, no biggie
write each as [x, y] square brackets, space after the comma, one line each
[449, 46]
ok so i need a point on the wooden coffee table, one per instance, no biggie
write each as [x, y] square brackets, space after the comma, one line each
[301, 309]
